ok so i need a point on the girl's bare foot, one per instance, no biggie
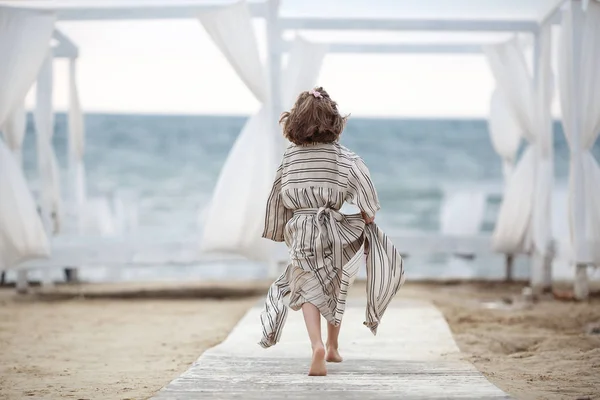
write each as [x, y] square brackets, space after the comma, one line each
[318, 366]
[333, 355]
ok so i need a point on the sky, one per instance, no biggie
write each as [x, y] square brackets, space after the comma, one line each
[172, 67]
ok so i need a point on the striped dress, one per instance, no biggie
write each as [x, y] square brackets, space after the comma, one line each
[326, 247]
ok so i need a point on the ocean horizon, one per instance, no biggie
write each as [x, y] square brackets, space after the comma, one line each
[170, 163]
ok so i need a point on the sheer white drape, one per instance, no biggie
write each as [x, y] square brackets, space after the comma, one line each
[235, 215]
[232, 31]
[510, 71]
[22, 235]
[524, 219]
[579, 84]
[14, 131]
[50, 199]
[236, 211]
[76, 144]
[504, 132]
[302, 70]
[24, 42]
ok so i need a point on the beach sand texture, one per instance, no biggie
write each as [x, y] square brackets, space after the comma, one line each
[80, 344]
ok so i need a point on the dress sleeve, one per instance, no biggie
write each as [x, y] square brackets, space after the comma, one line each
[361, 191]
[276, 216]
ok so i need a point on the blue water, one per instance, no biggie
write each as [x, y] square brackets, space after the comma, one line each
[171, 163]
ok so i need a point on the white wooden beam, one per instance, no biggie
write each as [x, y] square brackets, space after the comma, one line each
[261, 10]
[399, 48]
[540, 279]
[408, 24]
[117, 252]
[554, 16]
[132, 12]
[65, 48]
[61, 52]
[274, 51]
[274, 57]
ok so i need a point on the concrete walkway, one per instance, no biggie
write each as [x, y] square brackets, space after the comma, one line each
[413, 357]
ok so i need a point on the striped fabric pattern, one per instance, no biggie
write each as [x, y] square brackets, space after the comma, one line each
[326, 247]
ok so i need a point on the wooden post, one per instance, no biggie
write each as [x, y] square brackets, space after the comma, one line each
[44, 91]
[71, 275]
[274, 77]
[537, 267]
[76, 197]
[274, 50]
[22, 285]
[541, 266]
[541, 271]
[46, 280]
[547, 268]
[510, 258]
[536, 257]
[581, 288]
[274, 58]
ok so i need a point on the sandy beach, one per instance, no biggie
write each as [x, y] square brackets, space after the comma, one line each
[106, 349]
[537, 351]
[127, 341]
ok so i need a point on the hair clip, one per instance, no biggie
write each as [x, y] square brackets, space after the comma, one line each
[315, 93]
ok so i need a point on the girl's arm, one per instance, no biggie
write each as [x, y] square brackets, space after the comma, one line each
[368, 220]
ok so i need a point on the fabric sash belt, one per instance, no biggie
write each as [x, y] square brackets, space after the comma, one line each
[327, 223]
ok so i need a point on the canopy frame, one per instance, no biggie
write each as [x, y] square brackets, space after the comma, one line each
[276, 25]
[65, 47]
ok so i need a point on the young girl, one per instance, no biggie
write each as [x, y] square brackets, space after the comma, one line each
[316, 177]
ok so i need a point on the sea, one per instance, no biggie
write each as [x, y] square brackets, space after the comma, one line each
[169, 165]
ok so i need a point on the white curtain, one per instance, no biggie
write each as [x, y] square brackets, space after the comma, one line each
[231, 30]
[504, 132]
[524, 219]
[14, 131]
[76, 144]
[24, 42]
[47, 164]
[235, 216]
[22, 235]
[579, 80]
[302, 70]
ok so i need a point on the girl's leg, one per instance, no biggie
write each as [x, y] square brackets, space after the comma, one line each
[312, 318]
[333, 332]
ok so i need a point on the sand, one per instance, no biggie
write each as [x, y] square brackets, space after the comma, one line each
[538, 351]
[106, 349]
[96, 346]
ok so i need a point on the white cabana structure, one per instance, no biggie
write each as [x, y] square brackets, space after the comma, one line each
[524, 221]
[241, 191]
[24, 43]
[579, 87]
[520, 107]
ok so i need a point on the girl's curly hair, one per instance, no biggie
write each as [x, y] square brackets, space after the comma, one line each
[313, 119]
